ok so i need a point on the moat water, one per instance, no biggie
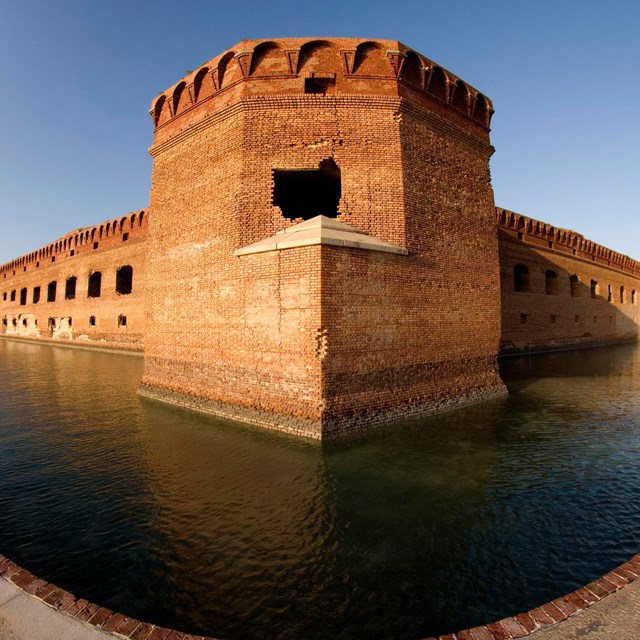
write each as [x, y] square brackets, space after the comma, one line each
[441, 524]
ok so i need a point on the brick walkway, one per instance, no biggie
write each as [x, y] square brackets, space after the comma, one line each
[25, 617]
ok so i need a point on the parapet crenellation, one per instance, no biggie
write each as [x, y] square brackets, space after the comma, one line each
[531, 230]
[319, 66]
[132, 226]
[340, 262]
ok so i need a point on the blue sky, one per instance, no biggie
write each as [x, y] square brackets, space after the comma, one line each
[78, 77]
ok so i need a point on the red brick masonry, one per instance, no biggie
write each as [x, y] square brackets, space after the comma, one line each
[517, 626]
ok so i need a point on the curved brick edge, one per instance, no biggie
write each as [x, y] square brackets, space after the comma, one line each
[551, 613]
[513, 627]
[101, 618]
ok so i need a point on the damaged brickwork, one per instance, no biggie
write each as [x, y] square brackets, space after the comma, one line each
[250, 308]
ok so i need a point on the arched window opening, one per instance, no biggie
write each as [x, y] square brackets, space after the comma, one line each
[92, 321]
[94, 285]
[13, 296]
[621, 295]
[23, 296]
[370, 60]
[124, 280]
[157, 110]
[521, 280]
[574, 283]
[633, 296]
[122, 321]
[594, 288]
[180, 98]
[51, 291]
[70, 288]
[609, 294]
[267, 60]
[412, 70]
[551, 283]
[481, 112]
[438, 83]
[461, 96]
[309, 192]
[36, 295]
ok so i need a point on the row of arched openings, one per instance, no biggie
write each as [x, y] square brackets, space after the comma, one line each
[124, 286]
[324, 57]
[522, 284]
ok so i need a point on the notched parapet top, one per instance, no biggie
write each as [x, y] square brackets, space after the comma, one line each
[322, 66]
[564, 239]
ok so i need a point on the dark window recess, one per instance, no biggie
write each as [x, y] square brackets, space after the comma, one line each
[124, 280]
[53, 258]
[309, 192]
[23, 296]
[574, 283]
[51, 325]
[4, 321]
[69, 319]
[122, 321]
[13, 296]
[92, 321]
[551, 283]
[95, 285]
[594, 289]
[24, 322]
[72, 252]
[95, 245]
[322, 86]
[4, 296]
[38, 264]
[125, 236]
[521, 280]
[70, 288]
[51, 291]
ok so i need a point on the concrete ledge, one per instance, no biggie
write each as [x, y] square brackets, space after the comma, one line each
[107, 347]
[321, 230]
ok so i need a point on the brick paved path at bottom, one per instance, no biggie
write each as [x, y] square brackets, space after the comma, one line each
[616, 617]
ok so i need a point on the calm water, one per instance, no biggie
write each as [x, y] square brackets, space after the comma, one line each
[442, 524]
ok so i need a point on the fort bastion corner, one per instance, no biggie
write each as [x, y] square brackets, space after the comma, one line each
[321, 252]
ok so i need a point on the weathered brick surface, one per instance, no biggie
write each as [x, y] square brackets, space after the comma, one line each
[601, 306]
[323, 340]
[337, 339]
[75, 256]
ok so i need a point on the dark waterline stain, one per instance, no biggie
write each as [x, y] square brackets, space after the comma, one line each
[429, 527]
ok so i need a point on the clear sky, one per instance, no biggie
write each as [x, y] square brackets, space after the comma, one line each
[78, 78]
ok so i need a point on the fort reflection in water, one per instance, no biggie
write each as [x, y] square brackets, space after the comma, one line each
[441, 524]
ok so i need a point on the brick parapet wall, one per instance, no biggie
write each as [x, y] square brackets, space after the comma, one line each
[562, 299]
[545, 235]
[107, 319]
[348, 65]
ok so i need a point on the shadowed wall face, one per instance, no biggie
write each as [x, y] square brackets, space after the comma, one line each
[567, 301]
[323, 339]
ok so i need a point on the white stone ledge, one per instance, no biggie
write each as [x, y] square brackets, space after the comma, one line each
[324, 231]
